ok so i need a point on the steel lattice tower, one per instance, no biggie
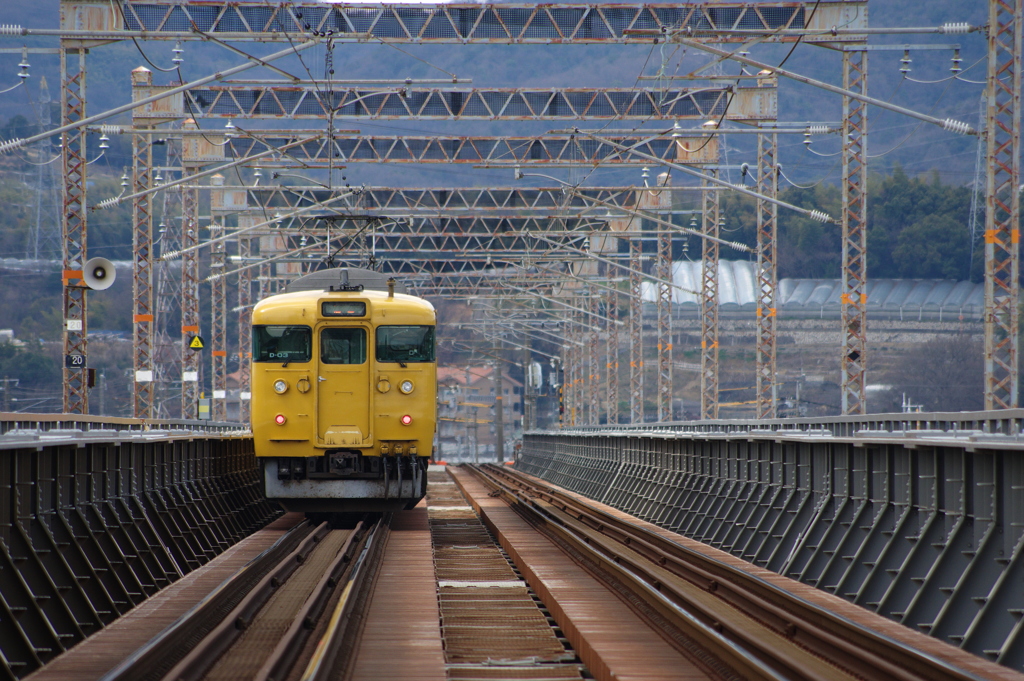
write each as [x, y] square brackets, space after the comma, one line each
[143, 318]
[854, 297]
[217, 343]
[636, 329]
[72, 96]
[612, 350]
[593, 365]
[189, 297]
[245, 303]
[767, 274]
[1002, 204]
[709, 304]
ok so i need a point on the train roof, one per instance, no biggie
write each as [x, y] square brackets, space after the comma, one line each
[343, 279]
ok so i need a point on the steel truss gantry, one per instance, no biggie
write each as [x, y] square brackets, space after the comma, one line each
[1002, 204]
[553, 149]
[310, 101]
[476, 23]
[559, 23]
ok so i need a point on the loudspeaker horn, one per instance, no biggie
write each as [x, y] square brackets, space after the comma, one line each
[98, 274]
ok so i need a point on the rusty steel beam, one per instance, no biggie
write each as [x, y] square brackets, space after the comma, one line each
[767, 274]
[310, 101]
[854, 298]
[709, 309]
[73, 224]
[513, 23]
[1002, 205]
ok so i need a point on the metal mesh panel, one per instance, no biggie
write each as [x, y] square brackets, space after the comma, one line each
[177, 21]
[455, 23]
[205, 17]
[232, 104]
[490, 26]
[645, 19]
[724, 17]
[231, 22]
[542, 27]
[593, 26]
[750, 20]
[414, 19]
[360, 19]
[388, 26]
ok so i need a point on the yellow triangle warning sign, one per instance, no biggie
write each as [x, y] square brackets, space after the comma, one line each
[196, 343]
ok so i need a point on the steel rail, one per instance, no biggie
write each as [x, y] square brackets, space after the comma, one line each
[195, 664]
[171, 644]
[283, 658]
[850, 646]
[334, 647]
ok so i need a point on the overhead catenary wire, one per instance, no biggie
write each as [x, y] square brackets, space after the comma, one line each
[252, 63]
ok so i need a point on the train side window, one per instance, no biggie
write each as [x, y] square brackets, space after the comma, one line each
[279, 343]
[343, 346]
[405, 344]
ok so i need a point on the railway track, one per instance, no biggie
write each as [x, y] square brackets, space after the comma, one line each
[269, 618]
[502, 576]
[738, 625]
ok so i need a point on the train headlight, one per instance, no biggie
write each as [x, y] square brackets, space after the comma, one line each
[406, 387]
[280, 419]
[406, 420]
[280, 386]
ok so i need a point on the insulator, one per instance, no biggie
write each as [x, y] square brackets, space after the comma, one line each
[955, 28]
[817, 130]
[959, 127]
[955, 68]
[107, 129]
[807, 139]
[905, 62]
[819, 216]
[11, 29]
[109, 203]
[10, 145]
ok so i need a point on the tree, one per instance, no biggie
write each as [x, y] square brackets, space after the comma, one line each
[943, 374]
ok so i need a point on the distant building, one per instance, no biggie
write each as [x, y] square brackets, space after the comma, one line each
[466, 412]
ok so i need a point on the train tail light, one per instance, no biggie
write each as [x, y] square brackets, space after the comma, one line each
[406, 420]
[280, 419]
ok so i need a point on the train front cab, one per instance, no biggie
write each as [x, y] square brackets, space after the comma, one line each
[358, 401]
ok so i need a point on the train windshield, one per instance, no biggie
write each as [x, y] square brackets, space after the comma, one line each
[405, 344]
[282, 344]
[343, 346]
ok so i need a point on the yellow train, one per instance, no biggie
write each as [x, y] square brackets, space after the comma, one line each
[344, 385]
